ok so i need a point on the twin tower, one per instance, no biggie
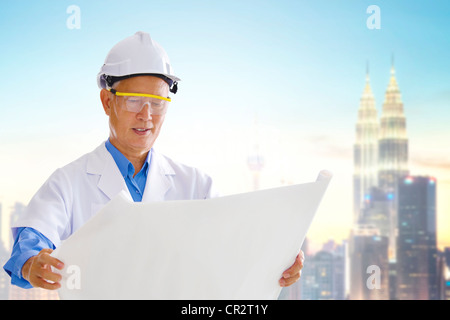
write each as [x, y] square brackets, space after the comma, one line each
[381, 146]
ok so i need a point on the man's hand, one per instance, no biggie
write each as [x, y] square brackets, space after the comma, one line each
[38, 272]
[291, 275]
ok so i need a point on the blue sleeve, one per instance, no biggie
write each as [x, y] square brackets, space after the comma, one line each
[28, 242]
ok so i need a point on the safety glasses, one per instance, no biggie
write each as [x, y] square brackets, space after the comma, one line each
[135, 102]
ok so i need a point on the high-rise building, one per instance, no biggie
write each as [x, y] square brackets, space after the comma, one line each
[392, 211]
[443, 272]
[393, 141]
[380, 159]
[369, 264]
[379, 211]
[323, 277]
[376, 211]
[392, 150]
[365, 150]
[417, 277]
[372, 241]
[445, 291]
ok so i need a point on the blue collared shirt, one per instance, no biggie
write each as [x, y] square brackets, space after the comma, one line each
[136, 184]
[29, 242]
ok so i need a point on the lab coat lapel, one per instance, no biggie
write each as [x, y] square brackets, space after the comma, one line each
[111, 181]
[158, 183]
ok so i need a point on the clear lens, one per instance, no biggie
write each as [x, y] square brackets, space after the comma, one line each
[136, 104]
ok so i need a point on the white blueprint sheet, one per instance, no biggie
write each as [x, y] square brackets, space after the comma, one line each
[231, 247]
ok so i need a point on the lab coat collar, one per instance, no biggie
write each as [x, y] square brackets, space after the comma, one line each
[111, 181]
[158, 178]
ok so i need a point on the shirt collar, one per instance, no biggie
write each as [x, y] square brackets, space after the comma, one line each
[125, 166]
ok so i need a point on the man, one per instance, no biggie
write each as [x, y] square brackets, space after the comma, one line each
[135, 81]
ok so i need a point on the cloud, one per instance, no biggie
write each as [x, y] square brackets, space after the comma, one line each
[431, 163]
[329, 147]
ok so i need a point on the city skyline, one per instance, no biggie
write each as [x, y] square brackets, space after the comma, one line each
[394, 229]
[368, 236]
[299, 66]
[251, 177]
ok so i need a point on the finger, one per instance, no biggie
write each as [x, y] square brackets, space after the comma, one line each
[294, 269]
[41, 283]
[44, 258]
[49, 275]
[44, 272]
[285, 282]
[301, 256]
[41, 277]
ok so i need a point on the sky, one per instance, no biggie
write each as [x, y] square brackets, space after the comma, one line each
[287, 74]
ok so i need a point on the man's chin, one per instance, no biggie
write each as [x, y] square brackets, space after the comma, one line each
[143, 145]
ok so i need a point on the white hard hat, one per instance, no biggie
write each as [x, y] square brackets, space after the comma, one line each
[133, 56]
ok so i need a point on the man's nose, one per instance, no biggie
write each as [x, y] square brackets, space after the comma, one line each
[145, 113]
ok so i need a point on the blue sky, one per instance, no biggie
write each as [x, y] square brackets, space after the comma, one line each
[306, 57]
[300, 65]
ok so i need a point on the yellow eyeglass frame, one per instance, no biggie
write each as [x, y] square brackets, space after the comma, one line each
[125, 94]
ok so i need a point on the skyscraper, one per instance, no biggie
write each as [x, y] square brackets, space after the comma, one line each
[368, 254]
[376, 211]
[417, 277]
[393, 141]
[365, 150]
[445, 289]
[380, 158]
[392, 152]
[323, 277]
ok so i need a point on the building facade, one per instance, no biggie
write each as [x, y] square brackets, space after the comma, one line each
[365, 150]
[369, 264]
[417, 272]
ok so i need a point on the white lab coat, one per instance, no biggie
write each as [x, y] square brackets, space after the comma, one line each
[74, 193]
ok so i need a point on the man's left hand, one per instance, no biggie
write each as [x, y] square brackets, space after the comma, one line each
[291, 275]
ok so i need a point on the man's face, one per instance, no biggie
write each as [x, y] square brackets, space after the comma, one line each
[134, 133]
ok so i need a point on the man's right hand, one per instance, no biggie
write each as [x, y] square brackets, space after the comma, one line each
[38, 272]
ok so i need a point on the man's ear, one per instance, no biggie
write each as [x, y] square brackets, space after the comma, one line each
[105, 97]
